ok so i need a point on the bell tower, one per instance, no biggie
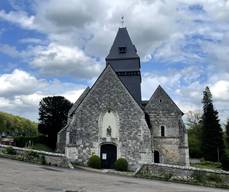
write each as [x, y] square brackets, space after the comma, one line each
[125, 61]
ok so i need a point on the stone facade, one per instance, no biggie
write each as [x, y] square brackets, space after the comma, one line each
[172, 144]
[111, 114]
[130, 134]
[55, 159]
[183, 173]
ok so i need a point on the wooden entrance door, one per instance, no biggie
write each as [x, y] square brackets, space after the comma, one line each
[108, 154]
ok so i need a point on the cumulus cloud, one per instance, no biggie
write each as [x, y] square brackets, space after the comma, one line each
[175, 33]
[18, 82]
[220, 90]
[57, 60]
[21, 92]
[18, 17]
[219, 52]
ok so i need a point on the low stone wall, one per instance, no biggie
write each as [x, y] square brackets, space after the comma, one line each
[55, 159]
[183, 173]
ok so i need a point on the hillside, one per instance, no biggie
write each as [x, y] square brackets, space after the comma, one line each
[13, 125]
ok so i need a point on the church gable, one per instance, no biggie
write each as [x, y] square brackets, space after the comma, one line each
[108, 88]
[109, 114]
[160, 101]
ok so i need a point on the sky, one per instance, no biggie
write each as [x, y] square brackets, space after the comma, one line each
[56, 47]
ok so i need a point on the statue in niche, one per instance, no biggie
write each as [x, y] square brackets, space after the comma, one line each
[109, 131]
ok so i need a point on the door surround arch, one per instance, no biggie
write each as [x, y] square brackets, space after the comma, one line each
[108, 155]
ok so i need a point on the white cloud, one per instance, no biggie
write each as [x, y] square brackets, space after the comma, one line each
[9, 50]
[219, 52]
[79, 31]
[21, 92]
[72, 95]
[18, 17]
[18, 82]
[220, 90]
[32, 41]
[58, 60]
[185, 88]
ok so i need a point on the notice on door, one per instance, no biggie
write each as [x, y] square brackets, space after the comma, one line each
[104, 156]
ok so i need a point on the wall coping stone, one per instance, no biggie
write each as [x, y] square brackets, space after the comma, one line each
[33, 150]
[186, 168]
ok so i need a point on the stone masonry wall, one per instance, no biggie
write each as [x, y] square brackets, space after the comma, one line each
[169, 146]
[61, 140]
[55, 159]
[181, 172]
[173, 146]
[108, 93]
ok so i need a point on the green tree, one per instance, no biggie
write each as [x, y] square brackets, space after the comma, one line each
[14, 125]
[227, 132]
[212, 134]
[194, 141]
[53, 113]
[194, 124]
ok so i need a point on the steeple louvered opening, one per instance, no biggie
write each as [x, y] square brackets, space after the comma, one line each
[122, 50]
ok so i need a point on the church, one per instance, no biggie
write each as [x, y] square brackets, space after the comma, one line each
[111, 120]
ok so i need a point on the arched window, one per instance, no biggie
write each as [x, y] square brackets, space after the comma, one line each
[162, 131]
[156, 157]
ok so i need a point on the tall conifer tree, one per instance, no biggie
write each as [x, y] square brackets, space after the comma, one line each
[227, 132]
[212, 134]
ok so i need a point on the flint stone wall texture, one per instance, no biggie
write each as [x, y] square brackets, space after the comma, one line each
[108, 93]
[55, 159]
[162, 111]
[61, 138]
[180, 172]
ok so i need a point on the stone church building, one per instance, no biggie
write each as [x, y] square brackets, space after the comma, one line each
[111, 120]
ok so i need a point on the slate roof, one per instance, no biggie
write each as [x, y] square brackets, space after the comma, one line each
[160, 101]
[78, 101]
[122, 39]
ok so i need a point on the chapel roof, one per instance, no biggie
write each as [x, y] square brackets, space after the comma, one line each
[161, 101]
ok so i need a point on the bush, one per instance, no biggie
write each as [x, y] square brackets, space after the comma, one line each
[225, 162]
[31, 155]
[10, 151]
[22, 141]
[199, 177]
[121, 164]
[43, 160]
[94, 162]
[214, 178]
[41, 147]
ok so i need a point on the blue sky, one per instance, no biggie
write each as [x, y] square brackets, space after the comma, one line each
[54, 47]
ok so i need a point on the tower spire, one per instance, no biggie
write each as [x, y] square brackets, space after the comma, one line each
[123, 58]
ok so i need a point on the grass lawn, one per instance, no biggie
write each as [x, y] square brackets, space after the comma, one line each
[207, 165]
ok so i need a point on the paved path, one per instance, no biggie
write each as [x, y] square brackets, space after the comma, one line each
[18, 176]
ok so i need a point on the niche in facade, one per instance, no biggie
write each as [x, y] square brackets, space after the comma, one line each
[109, 125]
